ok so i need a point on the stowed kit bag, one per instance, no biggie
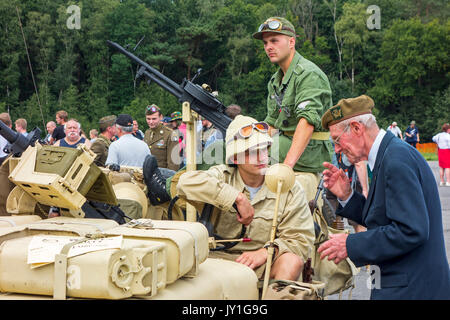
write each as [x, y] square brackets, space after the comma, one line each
[337, 277]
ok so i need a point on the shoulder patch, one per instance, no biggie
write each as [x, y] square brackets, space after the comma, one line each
[303, 104]
[298, 68]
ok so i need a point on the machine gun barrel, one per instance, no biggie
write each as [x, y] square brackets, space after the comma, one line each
[201, 101]
[18, 142]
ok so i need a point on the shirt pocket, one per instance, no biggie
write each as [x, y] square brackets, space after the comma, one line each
[227, 226]
[261, 227]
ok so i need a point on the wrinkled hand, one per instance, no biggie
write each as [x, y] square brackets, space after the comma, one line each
[246, 211]
[334, 248]
[253, 259]
[336, 181]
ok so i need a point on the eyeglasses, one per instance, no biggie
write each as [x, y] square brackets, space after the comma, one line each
[247, 131]
[153, 108]
[273, 25]
[336, 141]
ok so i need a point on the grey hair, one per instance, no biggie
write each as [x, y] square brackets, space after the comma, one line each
[125, 129]
[368, 120]
[79, 124]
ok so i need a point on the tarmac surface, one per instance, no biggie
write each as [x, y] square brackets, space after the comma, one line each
[361, 290]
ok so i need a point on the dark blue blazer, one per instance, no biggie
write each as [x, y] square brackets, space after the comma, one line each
[403, 216]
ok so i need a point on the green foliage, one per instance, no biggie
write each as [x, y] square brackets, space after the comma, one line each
[403, 66]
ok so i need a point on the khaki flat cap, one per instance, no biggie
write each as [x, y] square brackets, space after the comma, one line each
[347, 108]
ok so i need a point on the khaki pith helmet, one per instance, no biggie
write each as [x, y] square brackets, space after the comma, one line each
[286, 28]
[236, 145]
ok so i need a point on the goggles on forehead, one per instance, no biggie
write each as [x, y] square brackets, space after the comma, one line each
[152, 108]
[247, 131]
[273, 25]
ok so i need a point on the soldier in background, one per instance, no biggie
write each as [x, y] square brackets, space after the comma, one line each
[101, 145]
[162, 141]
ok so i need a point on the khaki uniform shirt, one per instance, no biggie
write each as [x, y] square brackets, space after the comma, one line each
[304, 92]
[163, 144]
[221, 184]
[100, 148]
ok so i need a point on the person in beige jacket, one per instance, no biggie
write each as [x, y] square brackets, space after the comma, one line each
[241, 182]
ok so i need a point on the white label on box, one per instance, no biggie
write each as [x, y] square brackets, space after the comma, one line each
[42, 249]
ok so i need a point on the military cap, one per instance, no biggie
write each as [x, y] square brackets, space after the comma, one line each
[124, 120]
[347, 108]
[166, 119]
[175, 116]
[151, 109]
[106, 122]
[277, 25]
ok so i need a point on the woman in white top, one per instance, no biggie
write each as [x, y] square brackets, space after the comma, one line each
[443, 141]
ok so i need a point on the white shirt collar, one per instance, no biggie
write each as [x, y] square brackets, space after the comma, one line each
[374, 150]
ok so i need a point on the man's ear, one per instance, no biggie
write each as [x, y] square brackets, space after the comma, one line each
[356, 127]
[292, 42]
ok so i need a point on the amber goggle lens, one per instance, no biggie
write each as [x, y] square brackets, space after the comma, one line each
[247, 131]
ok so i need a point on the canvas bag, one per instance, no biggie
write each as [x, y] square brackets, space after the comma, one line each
[337, 277]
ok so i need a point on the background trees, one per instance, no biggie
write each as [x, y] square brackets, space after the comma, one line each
[404, 65]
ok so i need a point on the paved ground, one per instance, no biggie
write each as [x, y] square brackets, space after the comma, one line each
[361, 291]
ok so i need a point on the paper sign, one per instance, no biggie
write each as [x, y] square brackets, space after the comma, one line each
[42, 249]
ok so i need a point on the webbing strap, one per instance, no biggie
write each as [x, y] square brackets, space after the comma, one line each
[60, 272]
[315, 135]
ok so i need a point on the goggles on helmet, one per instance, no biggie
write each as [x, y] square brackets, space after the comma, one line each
[273, 25]
[247, 130]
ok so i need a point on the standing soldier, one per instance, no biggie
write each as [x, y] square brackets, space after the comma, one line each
[162, 141]
[298, 95]
[180, 128]
[101, 145]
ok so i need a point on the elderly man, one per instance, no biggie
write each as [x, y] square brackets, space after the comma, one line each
[404, 236]
[73, 138]
[107, 126]
[241, 181]
[50, 126]
[127, 151]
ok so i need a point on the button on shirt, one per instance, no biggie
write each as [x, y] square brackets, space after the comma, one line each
[127, 151]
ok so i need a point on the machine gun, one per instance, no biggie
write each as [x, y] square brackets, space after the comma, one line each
[18, 143]
[200, 99]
